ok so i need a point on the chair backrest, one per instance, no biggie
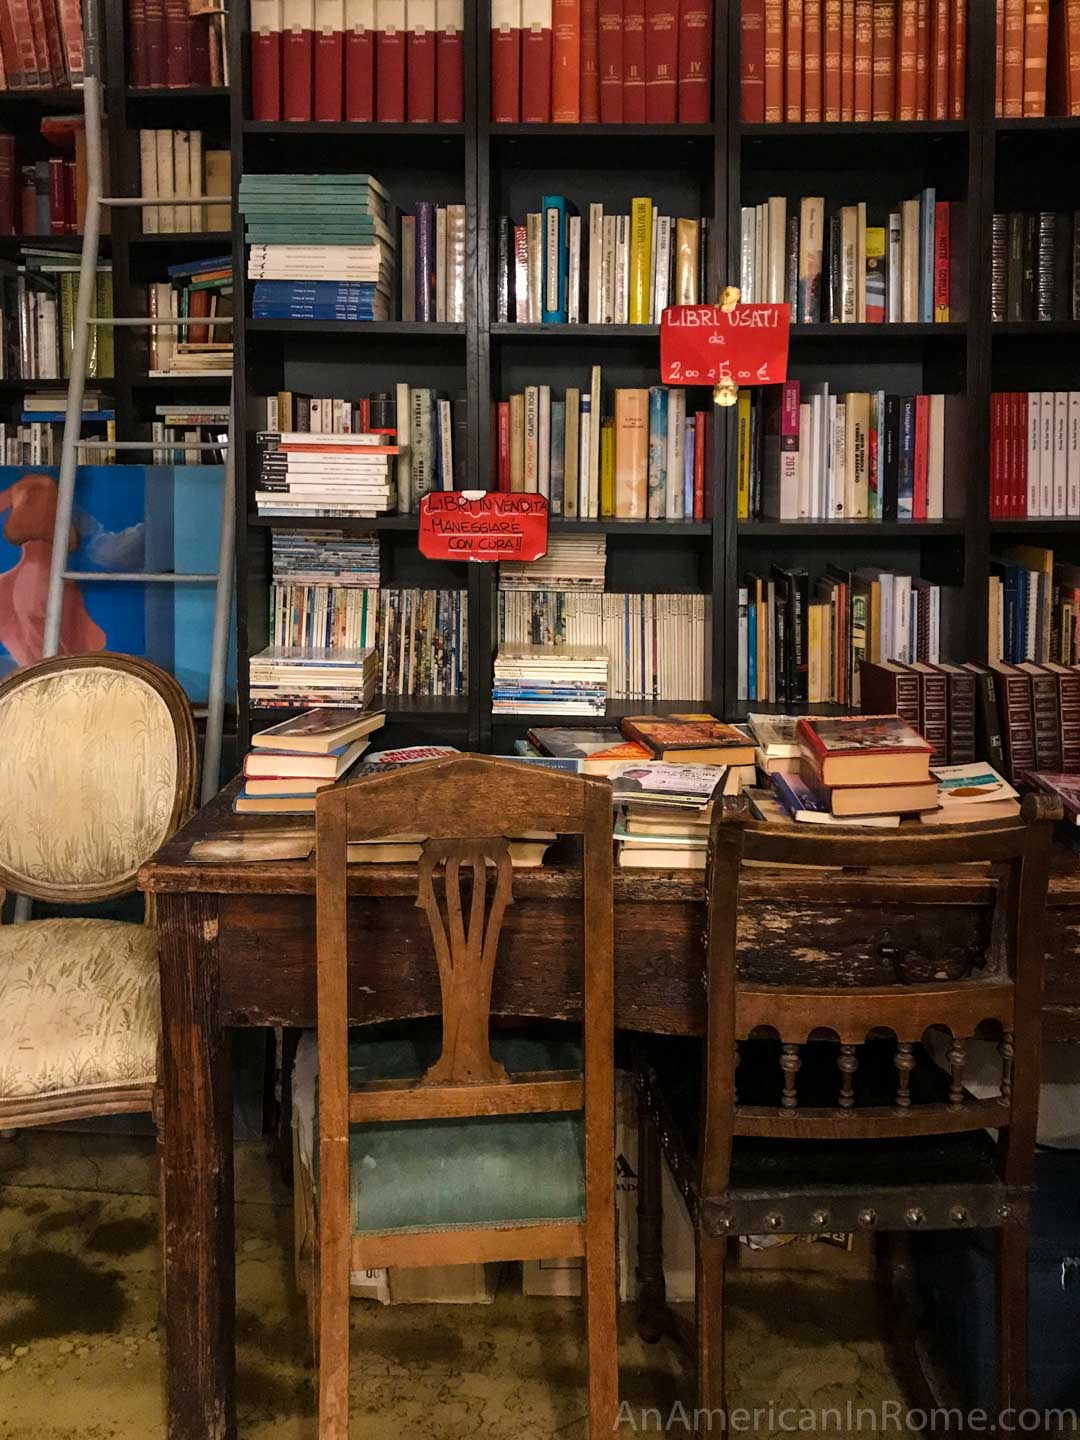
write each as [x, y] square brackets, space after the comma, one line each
[1005, 999]
[466, 806]
[97, 769]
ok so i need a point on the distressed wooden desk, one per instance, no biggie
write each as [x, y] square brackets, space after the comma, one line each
[238, 949]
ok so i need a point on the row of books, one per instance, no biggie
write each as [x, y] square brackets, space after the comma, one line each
[293, 676]
[1028, 716]
[305, 474]
[658, 646]
[549, 680]
[647, 459]
[325, 589]
[324, 557]
[200, 291]
[1034, 606]
[842, 269]
[394, 61]
[175, 163]
[432, 263]
[610, 62]
[572, 562]
[860, 60]
[1035, 266]
[41, 44]
[793, 637]
[1037, 56]
[37, 318]
[626, 270]
[1034, 454]
[38, 438]
[45, 195]
[807, 454]
[937, 699]
[290, 410]
[176, 44]
[177, 428]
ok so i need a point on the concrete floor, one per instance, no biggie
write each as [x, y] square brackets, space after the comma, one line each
[80, 1349]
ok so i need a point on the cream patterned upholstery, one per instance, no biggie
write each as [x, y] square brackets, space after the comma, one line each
[78, 1008]
[88, 775]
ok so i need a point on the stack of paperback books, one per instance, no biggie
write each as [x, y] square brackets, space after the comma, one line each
[325, 590]
[202, 291]
[663, 812]
[857, 770]
[305, 474]
[290, 763]
[321, 248]
[292, 676]
[571, 563]
[550, 680]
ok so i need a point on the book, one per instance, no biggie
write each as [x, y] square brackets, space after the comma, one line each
[318, 732]
[648, 783]
[280, 764]
[864, 749]
[804, 805]
[676, 739]
[972, 794]
[599, 751]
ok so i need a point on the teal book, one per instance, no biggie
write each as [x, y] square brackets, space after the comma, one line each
[558, 456]
[927, 206]
[555, 211]
[658, 429]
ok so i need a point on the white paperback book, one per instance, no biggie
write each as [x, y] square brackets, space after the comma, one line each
[1061, 452]
[1034, 449]
[1073, 477]
[596, 264]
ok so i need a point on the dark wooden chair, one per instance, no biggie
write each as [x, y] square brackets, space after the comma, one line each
[475, 1157]
[813, 1105]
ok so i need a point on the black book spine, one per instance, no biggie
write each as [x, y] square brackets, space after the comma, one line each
[999, 267]
[1014, 284]
[757, 462]
[890, 467]
[800, 590]
[791, 269]
[1027, 293]
[835, 266]
[1063, 265]
[1044, 274]
[382, 411]
[988, 720]
[503, 299]
[459, 413]
[1075, 297]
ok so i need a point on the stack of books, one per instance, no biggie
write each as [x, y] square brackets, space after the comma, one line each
[571, 563]
[321, 247]
[596, 751]
[1035, 266]
[663, 813]
[857, 769]
[423, 642]
[284, 676]
[1034, 606]
[1034, 454]
[860, 60]
[971, 795]
[854, 267]
[809, 453]
[620, 270]
[325, 589]
[550, 680]
[305, 474]
[611, 62]
[201, 290]
[432, 264]
[194, 424]
[289, 764]
[174, 163]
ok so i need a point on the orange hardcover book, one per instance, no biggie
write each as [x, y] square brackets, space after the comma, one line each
[864, 59]
[922, 59]
[1036, 35]
[847, 59]
[793, 61]
[751, 61]
[1012, 105]
[1063, 76]
[812, 61]
[566, 62]
[906, 46]
[939, 59]
[774, 61]
[883, 60]
[999, 58]
[831, 45]
[590, 63]
[957, 58]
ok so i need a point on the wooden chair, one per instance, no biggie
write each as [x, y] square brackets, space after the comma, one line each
[455, 1183]
[815, 1106]
[97, 769]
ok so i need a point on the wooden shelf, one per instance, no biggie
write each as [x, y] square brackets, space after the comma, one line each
[372, 129]
[659, 529]
[1039, 125]
[350, 523]
[1033, 329]
[601, 132]
[826, 330]
[869, 530]
[48, 99]
[501, 330]
[1035, 525]
[177, 96]
[844, 130]
[408, 330]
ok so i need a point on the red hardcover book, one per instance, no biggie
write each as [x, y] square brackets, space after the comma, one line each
[420, 61]
[7, 184]
[535, 62]
[266, 59]
[57, 223]
[156, 46]
[1063, 77]
[995, 456]
[1020, 454]
[832, 31]
[633, 97]
[70, 225]
[41, 47]
[662, 63]
[590, 62]
[922, 59]
[999, 58]
[922, 456]
[812, 38]
[177, 45]
[506, 61]
[57, 65]
[774, 61]
[504, 444]
[907, 45]
[942, 260]
[450, 61]
[700, 419]
[939, 59]
[847, 59]
[1036, 35]
[957, 58]
[69, 13]
[297, 46]
[706, 501]
[329, 48]
[566, 62]
[20, 53]
[883, 61]
[695, 62]
[1013, 60]
[864, 59]
[390, 23]
[200, 23]
[793, 61]
[610, 51]
[751, 59]
[138, 74]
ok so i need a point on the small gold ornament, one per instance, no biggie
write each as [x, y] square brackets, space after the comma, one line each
[729, 298]
[726, 393]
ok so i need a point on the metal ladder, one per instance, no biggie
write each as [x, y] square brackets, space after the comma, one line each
[73, 442]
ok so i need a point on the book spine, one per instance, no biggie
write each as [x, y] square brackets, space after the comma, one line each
[831, 51]
[942, 260]
[957, 59]
[634, 62]
[751, 59]
[266, 26]
[812, 61]
[662, 62]
[536, 62]
[610, 19]
[506, 62]
[774, 61]
[695, 62]
[390, 51]
[590, 62]
[793, 61]
[864, 60]
[566, 62]
[329, 60]
[71, 35]
[1068, 686]
[906, 61]
[360, 61]
[450, 61]
[296, 60]
[1017, 724]
[425, 262]
[420, 61]
[1047, 720]
[933, 712]
[1036, 35]
[1013, 60]
[177, 45]
[883, 72]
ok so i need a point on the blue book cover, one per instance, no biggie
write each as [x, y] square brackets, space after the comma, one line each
[57, 417]
[905, 489]
[751, 650]
[658, 428]
[200, 267]
[317, 289]
[554, 211]
[927, 202]
[688, 469]
[558, 455]
[795, 794]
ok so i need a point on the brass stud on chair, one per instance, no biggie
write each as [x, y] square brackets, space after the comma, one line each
[1004, 1212]
[914, 1216]
[774, 1220]
[959, 1215]
[867, 1219]
[819, 1219]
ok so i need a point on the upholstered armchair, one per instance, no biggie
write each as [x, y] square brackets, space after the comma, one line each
[97, 769]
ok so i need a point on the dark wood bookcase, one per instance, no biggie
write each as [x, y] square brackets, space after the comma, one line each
[708, 170]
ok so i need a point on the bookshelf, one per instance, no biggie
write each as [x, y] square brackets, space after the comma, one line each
[710, 170]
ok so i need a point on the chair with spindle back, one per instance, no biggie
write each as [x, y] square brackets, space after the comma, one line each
[840, 1120]
[479, 1155]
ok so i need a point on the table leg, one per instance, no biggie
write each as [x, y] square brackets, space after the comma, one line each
[199, 1272]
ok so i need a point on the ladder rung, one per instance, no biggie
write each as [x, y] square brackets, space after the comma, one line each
[137, 200]
[160, 577]
[208, 320]
[150, 445]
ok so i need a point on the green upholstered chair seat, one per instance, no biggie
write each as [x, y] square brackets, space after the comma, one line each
[492, 1170]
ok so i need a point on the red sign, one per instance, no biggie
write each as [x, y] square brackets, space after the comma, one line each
[704, 345]
[483, 525]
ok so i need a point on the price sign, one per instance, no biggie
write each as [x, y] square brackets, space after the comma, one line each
[705, 345]
[483, 525]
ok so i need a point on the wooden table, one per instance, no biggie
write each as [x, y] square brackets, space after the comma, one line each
[238, 949]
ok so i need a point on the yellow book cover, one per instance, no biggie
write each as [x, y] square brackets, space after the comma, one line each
[517, 442]
[687, 243]
[814, 655]
[640, 260]
[607, 468]
[742, 511]
[631, 460]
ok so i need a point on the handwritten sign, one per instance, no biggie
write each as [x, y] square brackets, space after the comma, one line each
[483, 525]
[704, 345]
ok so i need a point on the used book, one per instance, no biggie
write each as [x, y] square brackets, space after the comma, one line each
[864, 750]
[657, 783]
[663, 852]
[599, 750]
[690, 739]
[803, 803]
[971, 795]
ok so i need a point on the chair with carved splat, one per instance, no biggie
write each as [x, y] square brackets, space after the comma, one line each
[816, 1107]
[482, 1154]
